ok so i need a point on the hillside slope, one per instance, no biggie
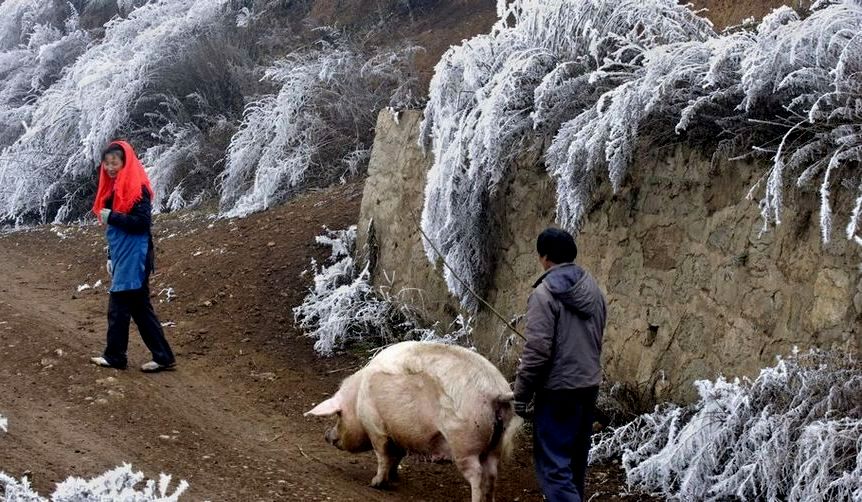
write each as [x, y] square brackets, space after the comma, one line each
[438, 24]
[724, 13]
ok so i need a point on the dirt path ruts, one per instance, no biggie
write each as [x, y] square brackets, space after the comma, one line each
[229, 420]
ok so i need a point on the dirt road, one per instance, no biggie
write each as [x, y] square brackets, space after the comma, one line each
[229, 419]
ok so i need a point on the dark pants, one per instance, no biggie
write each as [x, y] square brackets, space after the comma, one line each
[562, 425]
[134, 304]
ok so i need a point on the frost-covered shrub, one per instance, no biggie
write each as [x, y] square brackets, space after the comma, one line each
[172, 77]
[149, 69]
[118, 485]
[344, 307]
[792, 78]
[793, 433]
[181, 146]
[588, 82]
[489, 94]
[180, 166]
[19, 18]
[341, 307]
[459, 332]
[37, 40]
[318, 128]
[811, 68]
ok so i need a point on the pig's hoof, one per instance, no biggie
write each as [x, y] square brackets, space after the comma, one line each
[380, 483]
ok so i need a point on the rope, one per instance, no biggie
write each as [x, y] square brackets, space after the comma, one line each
[466, 286]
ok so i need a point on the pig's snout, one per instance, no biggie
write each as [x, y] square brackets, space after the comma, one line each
[331, 436]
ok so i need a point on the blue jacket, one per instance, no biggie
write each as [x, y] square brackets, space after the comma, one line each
[130, 245]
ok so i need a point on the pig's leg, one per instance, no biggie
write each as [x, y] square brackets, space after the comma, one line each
[396, 454]
[384, 467]
[388, 458]
[489, 476]
[471, 469]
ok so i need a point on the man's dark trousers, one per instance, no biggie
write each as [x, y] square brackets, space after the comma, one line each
[562, 426]
[124, 306]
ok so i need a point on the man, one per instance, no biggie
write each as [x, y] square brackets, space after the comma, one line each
[561, 366]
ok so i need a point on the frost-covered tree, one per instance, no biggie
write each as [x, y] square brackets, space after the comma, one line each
[499, 94]
[792, 433]
[173, 77]
[797, 79]
[587, 83]
[149, 69]
[118, 485]
[812, 68]
[317, 128]
[37, 40]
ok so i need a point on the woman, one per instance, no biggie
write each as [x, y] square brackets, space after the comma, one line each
[123, 204]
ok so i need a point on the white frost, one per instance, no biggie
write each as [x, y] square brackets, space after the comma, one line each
[793, 433]
[119, 485]
[584, 84]
[80, 95]
[344, 307]
[488, 96]
[315, 130]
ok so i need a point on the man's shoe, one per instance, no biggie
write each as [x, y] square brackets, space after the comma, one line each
[101, 361]
[153, 367]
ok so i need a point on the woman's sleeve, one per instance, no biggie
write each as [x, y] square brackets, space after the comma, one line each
[138, 220]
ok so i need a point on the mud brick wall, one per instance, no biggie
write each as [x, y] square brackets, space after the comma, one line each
[695, 289]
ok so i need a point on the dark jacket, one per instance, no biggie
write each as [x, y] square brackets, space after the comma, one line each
[138, 223]
[566, 317]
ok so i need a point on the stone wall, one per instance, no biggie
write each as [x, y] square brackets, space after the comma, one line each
[694, 289]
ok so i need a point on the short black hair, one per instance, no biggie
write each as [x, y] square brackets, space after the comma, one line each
[114, 149]
[557, 245]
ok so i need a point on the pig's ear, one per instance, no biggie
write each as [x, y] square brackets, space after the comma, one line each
[327, 408]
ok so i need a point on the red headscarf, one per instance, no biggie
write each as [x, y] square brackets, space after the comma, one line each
[126, 188]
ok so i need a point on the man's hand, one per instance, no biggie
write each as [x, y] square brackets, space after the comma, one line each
[522, 411]
[103, 216]
[109, 266]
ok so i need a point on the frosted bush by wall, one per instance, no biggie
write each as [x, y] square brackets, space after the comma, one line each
[119, 485]
[485, 93]
[794, 79]
[794, 433]
[344, 307]
[587, 82]
[317, 128]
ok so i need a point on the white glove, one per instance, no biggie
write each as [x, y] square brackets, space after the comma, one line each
[109, 266]
[103, 216]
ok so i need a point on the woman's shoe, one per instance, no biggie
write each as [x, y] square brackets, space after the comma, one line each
[101, 361]
[153, 367]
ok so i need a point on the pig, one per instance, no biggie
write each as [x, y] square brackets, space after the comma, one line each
[440, 402]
